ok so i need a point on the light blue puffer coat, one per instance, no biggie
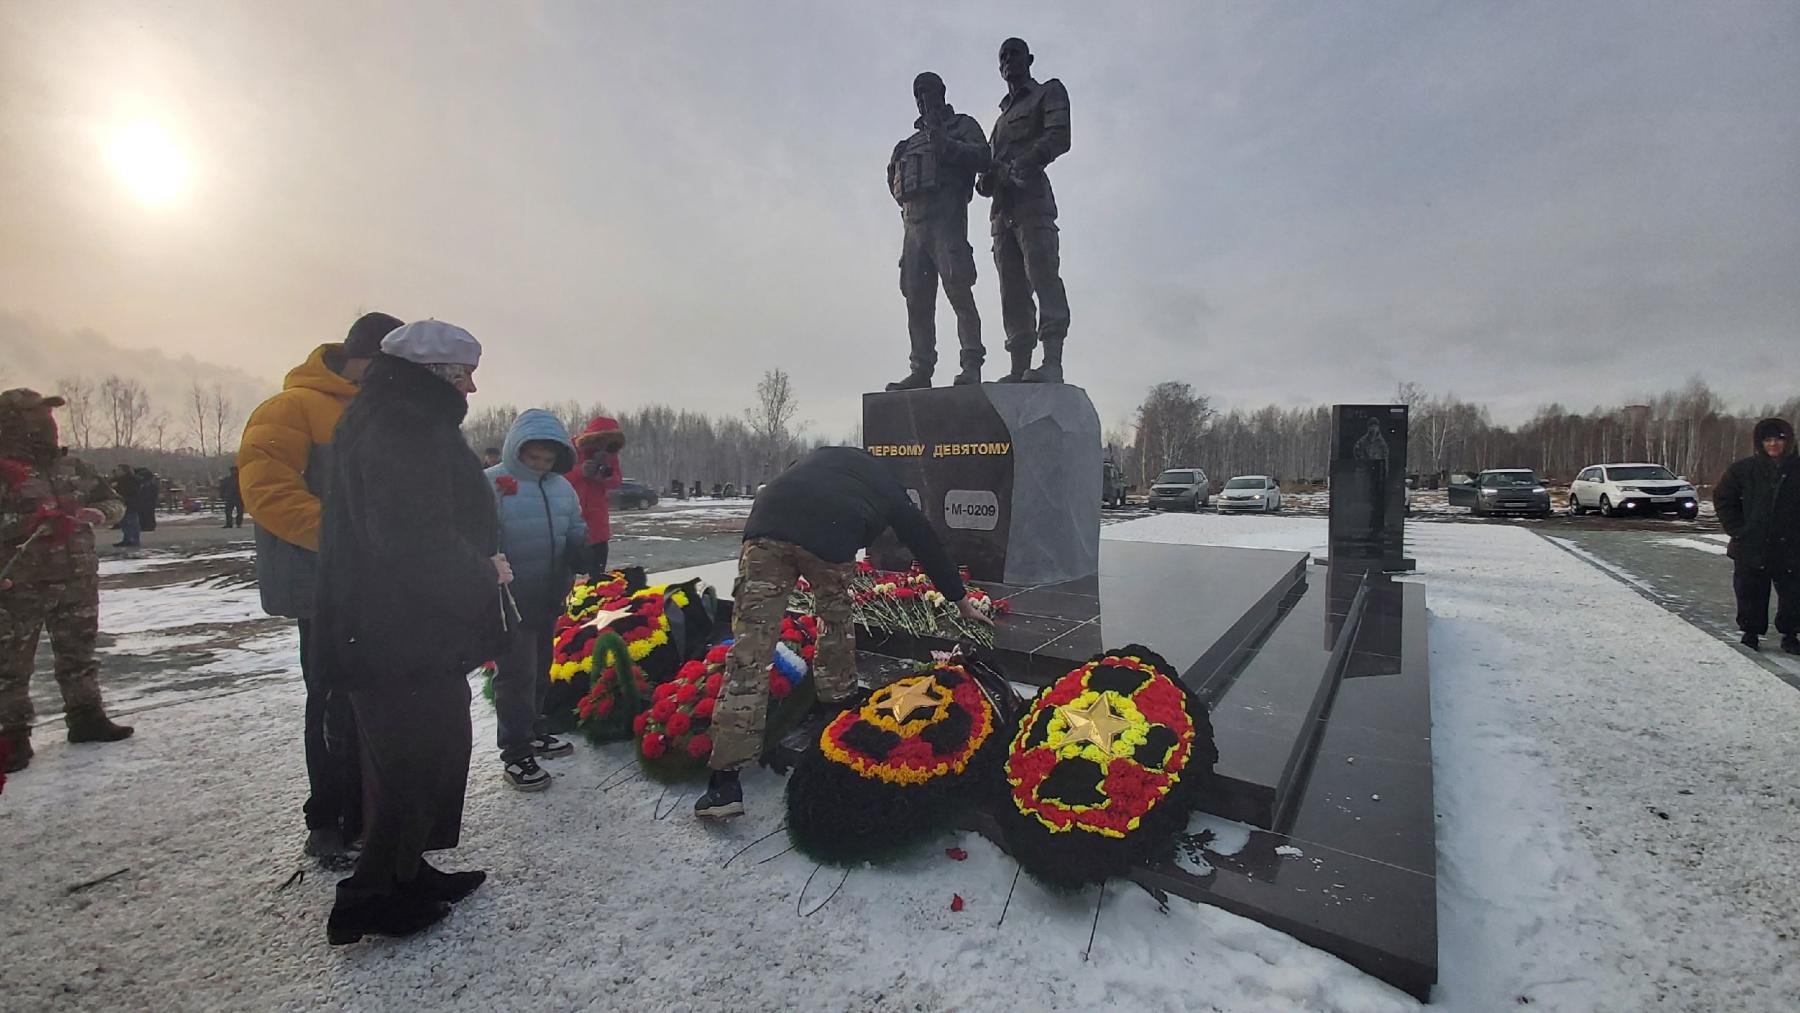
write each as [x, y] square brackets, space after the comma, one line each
[541, 530]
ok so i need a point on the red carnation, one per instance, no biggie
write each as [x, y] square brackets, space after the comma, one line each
[679, 724]
[779, 687]
[700, 746]
[638, 723]
[662, 710]
[686, 692]
[508, 485]
[703, 710]
[604, 706]
[663, 691]
[716, 656]
[956, 902]
[714, 683]
[654, 745]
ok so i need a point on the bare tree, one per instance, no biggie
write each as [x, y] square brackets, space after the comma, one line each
[158, 426]
[771, 420]
[224, 415]
[78, 419]
[198, 412]
[1170, 424]
[127, 405]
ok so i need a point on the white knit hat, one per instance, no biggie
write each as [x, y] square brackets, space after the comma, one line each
[429, 341]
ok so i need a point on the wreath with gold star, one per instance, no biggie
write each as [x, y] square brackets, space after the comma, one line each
[656, 625]
[897, 767]
[1104, 769]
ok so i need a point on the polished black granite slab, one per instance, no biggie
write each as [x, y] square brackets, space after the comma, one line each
[1196, 605]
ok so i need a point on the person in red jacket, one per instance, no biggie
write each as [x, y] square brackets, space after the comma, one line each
[595, 474]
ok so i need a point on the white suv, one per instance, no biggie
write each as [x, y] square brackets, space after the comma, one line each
[1627, 490]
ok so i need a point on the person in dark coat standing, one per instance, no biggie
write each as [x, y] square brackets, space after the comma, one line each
[125, 482]
[1758, 502]
[232, 498]
[149, 494]
[410, 601]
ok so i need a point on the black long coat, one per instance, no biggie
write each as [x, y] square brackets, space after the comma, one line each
[406, 586]
[1758, 502]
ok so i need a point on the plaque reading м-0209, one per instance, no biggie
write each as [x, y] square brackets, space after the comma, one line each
[972, 509]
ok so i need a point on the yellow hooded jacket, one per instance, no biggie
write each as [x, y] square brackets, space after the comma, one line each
[282, 464]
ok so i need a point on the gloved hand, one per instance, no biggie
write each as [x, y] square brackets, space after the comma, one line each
[596, 467]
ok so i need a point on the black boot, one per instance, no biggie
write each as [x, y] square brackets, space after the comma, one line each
[724, 797]
[90, 724]
[915, 380]
[448, 887]
[18, 751]
[971, 370]
[1021, 365]
[1051, 369]
[401, 913]
[1791, 643]
[1751, 641]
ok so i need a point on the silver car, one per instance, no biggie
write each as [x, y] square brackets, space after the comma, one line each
[1180, 489]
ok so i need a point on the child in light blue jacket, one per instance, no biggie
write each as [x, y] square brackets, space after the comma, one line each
[544, 538]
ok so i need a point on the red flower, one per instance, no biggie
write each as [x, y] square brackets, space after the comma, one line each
[663, 692]
[956, 902]
[508, 485]
[714, 683]
[704, 709]
[716, 656]
[700, 746]
[956, 854]
[679, 724]
[809, 652]
[14, 471]
[654, 745]
[686, 692]
[638, 723]
[662, 710]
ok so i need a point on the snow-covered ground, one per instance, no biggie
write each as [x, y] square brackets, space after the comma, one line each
[1617, 810]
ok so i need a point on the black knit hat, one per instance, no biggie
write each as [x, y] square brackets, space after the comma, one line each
[364, 339]
[1773, 427]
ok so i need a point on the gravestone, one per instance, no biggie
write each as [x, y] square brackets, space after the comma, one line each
[1368, 485]
[1008, 474]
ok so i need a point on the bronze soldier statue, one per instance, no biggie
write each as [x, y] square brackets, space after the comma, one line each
[1033, 129]
[932, 177]
[50, 504]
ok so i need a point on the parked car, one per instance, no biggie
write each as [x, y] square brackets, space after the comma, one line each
[1632, 489]
[1112, 485]
[1250, 492]
[1179, 489]
[1503, 491]
[632, 494]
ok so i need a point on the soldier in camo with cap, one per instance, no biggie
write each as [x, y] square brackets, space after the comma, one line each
[50, 504]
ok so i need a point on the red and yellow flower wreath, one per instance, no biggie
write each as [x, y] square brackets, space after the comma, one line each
[905, 710]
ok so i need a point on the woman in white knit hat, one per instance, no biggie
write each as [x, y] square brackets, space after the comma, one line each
[410, 600]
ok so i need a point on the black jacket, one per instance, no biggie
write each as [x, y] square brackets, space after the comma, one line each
[837, 500]
[145, 499]
[406, 588]
[1758, 502]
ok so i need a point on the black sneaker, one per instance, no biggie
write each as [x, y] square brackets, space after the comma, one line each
[525, 774]
[724, 797]
[1751, 641]
[1791, 644]
[546, 746]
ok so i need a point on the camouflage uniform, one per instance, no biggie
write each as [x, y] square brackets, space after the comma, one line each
[55, 579]
[767, 569]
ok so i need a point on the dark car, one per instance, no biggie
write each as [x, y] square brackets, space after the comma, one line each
[632, 494]
[1503, 491]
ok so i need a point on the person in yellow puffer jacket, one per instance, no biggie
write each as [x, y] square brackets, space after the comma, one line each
[282, 464]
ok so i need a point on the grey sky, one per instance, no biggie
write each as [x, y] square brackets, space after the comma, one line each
[636, 202]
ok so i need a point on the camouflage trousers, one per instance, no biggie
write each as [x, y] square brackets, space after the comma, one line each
[767, 570]
[70, 611]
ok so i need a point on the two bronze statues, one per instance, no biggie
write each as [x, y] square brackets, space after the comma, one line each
[933, 175]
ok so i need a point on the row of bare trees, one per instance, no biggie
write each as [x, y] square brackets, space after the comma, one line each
[1690, 429]
[116, 412]
[665, 443]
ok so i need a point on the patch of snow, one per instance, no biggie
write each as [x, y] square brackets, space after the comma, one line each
[1228, 836]
[147, 609]
[1289, 851]
[1255, 531]
[1700, 544]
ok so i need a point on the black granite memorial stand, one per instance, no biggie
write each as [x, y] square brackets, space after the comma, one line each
[1315, 676]
[1008, 474]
